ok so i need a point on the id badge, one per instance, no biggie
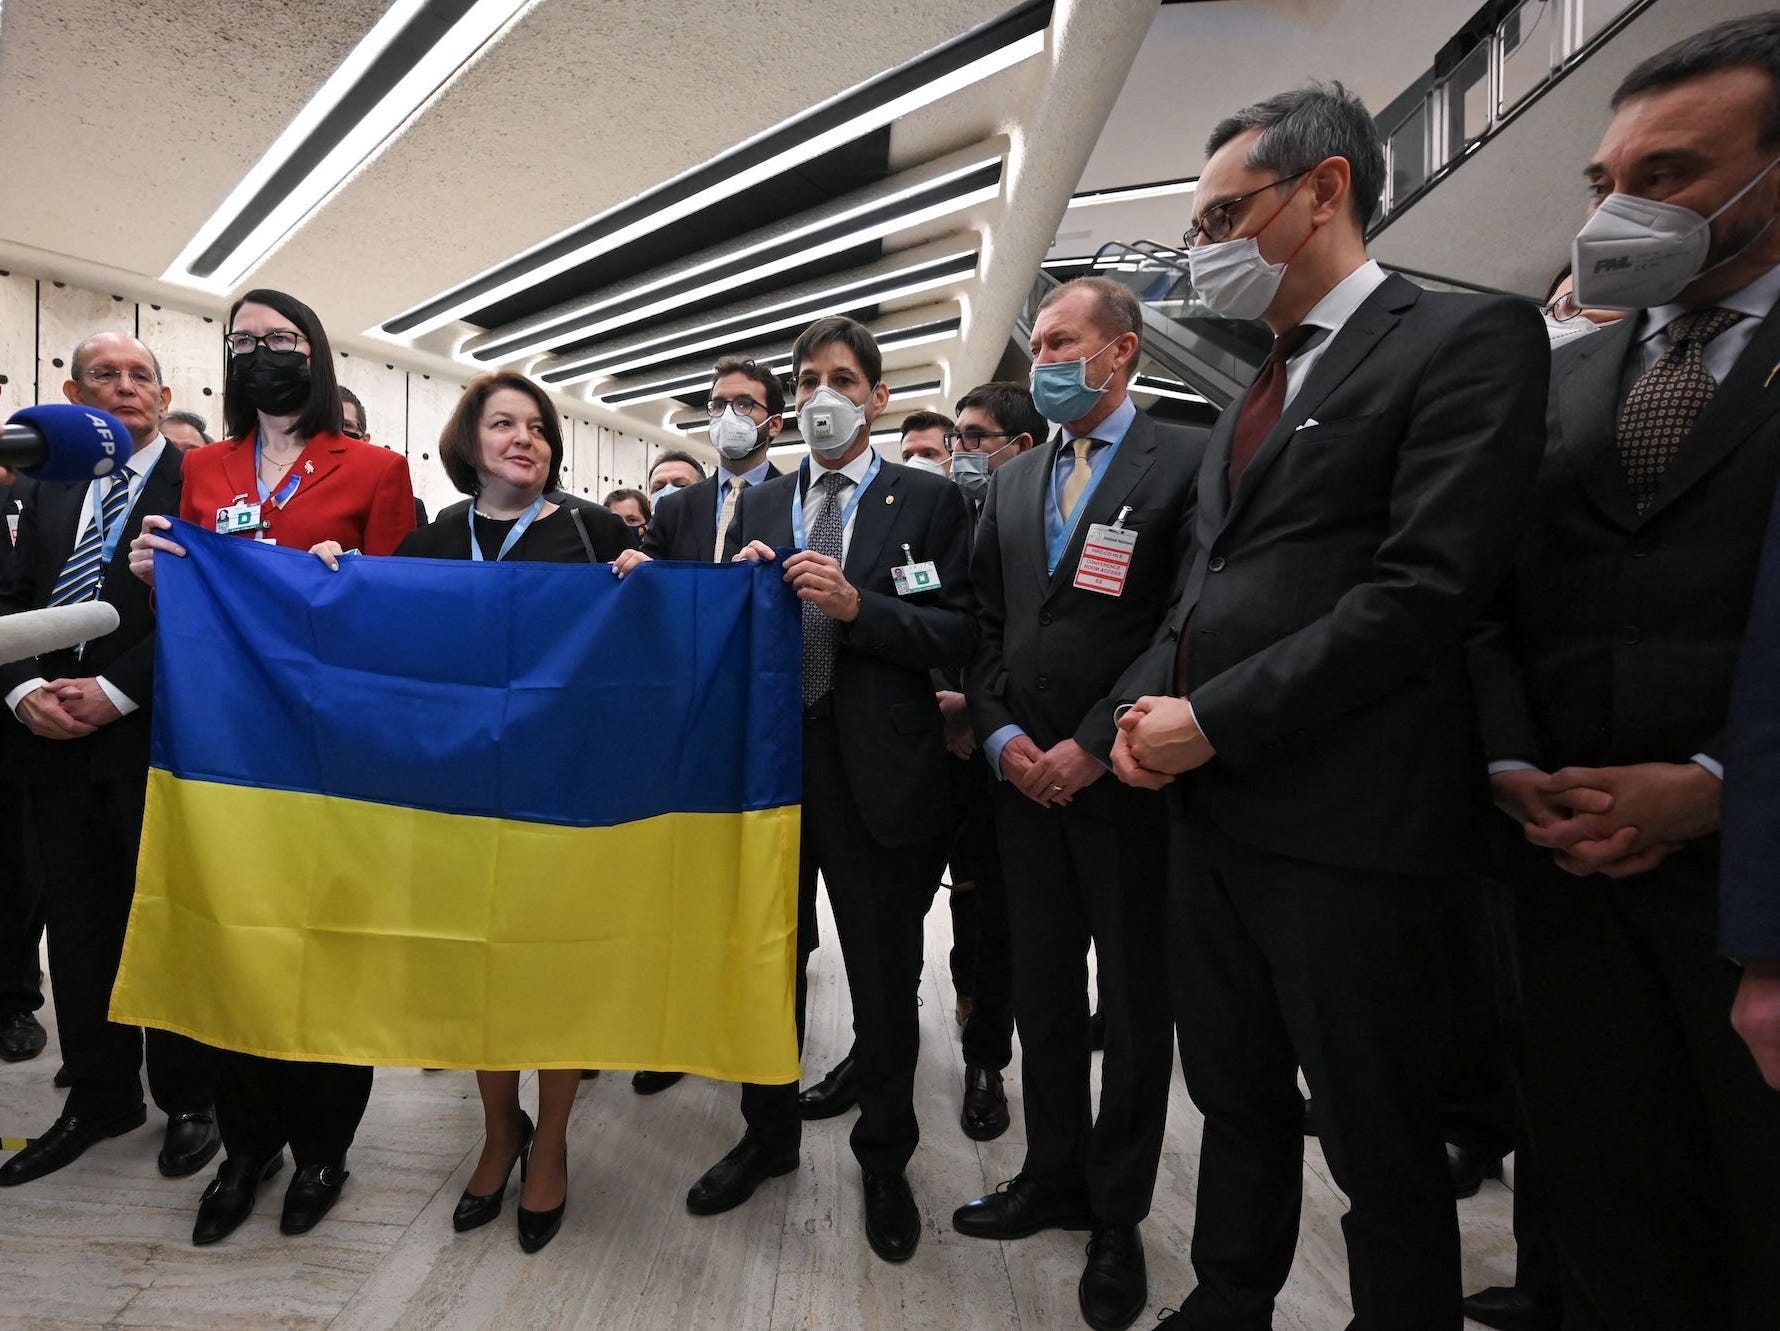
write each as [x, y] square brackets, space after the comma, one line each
[12, 528]
[238, 518]
[1106, 559]
[913, 579]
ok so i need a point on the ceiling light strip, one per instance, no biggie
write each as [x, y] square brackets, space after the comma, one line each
[979, 54]
[406, 61]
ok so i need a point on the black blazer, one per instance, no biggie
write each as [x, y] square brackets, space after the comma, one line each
[1327, 606]
[1749, 912]
[1049, 655]
[892, 737]
[684, 526]
[47, 535]
[1616, 639]
[448, 535]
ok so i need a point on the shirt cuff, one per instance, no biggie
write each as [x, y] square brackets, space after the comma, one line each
[124, 703]
[993, 746]
[1710, 763]
[1511, 765]
[17, 696]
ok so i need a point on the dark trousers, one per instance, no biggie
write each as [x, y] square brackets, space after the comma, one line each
[879, 895]
[1093, 871]
[1657, 1142]
[264, 1104]
[21, 908]
[982, 943]
[1279, 964]
[1476, 1104]
[87, 838]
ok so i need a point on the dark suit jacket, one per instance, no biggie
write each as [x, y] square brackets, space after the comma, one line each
[892, 739]
[1616, 638]
[684, 525]
[1749, 910]
[1327, 606]
[47, 535]
[1049, 655]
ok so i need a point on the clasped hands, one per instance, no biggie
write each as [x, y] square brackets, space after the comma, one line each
[1158, 738]
[1615, 821]
[67, 709]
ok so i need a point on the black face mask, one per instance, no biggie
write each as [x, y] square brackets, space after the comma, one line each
[275, 382]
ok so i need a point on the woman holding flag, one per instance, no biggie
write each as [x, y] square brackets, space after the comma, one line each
[285, 475]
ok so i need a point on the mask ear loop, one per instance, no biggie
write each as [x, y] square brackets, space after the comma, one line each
[1719, 212]
[1284, 204]
[1103, 383]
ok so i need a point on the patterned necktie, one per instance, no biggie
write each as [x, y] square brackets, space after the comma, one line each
[1265, 403]
[84, 571]
[726, 515]
[818, 628]
[1667, 399]
[1077, 480]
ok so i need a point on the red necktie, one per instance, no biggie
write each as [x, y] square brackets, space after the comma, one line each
[1265, 401]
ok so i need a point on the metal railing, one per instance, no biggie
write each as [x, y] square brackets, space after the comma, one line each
[1529, 48]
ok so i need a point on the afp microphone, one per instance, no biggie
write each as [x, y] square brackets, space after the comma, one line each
[39, 632]
[63, 441]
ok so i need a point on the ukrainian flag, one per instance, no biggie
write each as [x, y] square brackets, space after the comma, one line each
[449, 814]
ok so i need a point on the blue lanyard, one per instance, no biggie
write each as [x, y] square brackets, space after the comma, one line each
[108, 546]
[803, 480]
[285, 491]
[525, 520]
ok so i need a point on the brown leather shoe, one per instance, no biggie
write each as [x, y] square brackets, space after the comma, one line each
[985, 1115]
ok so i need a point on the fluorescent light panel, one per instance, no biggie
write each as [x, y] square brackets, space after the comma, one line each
[788, 313]
[896, 394]
[454, 51]
[560, 252]
[1132, 193]
[563, 328]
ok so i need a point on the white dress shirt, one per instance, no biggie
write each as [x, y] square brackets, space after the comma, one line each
[1332, 313]
[814, 497]
[141, 463]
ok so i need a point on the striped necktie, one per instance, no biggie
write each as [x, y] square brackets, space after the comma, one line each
[85, 571]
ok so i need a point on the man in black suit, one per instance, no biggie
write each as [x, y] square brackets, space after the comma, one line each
[1749, 911]
[1078, 547]
[882, 571]
[747, 411]
[1308, 706]
[1604, 678]
[21, 906]
[80, 750]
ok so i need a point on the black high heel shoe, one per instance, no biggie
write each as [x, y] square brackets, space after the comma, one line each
[536, 1228]
[473, 1210]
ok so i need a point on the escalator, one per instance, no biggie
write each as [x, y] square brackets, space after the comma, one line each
[1194, 363]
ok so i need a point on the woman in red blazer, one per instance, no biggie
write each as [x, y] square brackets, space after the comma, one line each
[285, 474]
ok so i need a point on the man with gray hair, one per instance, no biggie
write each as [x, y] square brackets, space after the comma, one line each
[1308, 707]
[78, 744]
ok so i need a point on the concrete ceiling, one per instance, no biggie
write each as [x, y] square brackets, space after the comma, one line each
[132, 123]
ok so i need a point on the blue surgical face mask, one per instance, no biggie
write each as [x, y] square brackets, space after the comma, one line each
[1061, 391]
[664, 492]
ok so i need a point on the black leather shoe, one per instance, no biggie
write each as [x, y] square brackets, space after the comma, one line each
[63, 1078]
[588, 1074]
[229, 1198]
[1470, 1168]
[732, 1180]
[536, 1228]
[190, 1142]
[312, 1193]
[834, 1094]
[1021, 1207]
[892, 1220]
[1508, 1309]
[475, 1210]
[1114, 1287]
[21, 1037]
[65, 1142]
[648, 1083]
[1097, 1030]
[985, 1114]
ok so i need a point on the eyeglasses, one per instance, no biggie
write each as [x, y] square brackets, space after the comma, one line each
[352, 431]
[971, 440]
[104, 377]
[1563, 309]
[279, 339]
[745, 406]
[1219, 220]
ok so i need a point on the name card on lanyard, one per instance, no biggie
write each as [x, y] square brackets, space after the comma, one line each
[519, 529]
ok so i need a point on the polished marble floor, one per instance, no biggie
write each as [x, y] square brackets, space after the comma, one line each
[105, 1243]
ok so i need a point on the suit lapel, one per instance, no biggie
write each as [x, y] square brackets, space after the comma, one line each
[325, 453]
[1027, 499]
[1352, 343]
[1137, 452]
[1214, 475]
[59, 526]
[238, 469]
[159, 494]
[872, 522]
[1743, 402]
[1588, 416]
